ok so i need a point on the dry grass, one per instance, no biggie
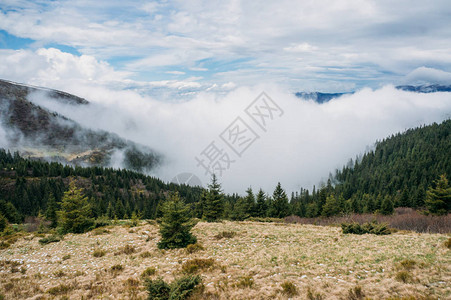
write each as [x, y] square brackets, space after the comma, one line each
[261, 261]
[404, 218]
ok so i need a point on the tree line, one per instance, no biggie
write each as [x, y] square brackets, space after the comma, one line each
[402, 170]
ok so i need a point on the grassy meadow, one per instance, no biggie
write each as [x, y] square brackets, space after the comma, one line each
[239, 260]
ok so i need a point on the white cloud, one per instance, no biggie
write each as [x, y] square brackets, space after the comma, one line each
[304, 47]
[424, 75]
[176, 72]
[299, 149]
[285, 36]
[54, 68]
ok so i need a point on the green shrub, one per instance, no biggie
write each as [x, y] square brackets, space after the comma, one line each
[355, 293]
[194, 248]
[100, 231]
[448, 243]
[225, 234]
[369, 227]
[145, 254]
[4, 245]
[50, 239]
[179, 289]
[183, 287]
[127, 249]
[312, 295]
[98, 253]
[59, 273]
[117, 268]
[158, 289]
[403, 276]
[193, 265]
[289, 289]
[66, 257]
[102, 222]
[245, 282]
[407, 264]
[148, 272]
[3, 223]
[59, 290]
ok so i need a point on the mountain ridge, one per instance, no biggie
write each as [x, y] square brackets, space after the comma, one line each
[40, 133]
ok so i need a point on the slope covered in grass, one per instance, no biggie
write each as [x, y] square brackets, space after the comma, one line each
[240, 260]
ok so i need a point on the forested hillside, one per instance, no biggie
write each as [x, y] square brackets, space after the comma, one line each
[29, 184]
[399, 170]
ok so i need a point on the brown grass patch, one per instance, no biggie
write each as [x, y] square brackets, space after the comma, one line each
[266, 254]
[192, 248]
[225, 235]
[148, 272]
[98, 253]
[194, 265]
[403, 219]
[289, 289]
[127, 249]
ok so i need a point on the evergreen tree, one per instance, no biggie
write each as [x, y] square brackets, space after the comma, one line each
[261, 206]
[75, 213]
[250, 202]
[387, 207]
[9, 212]
[240, 210]
[438, 199]
[331, 207]
[368, 201]
[404, 200]
[176, 224]
[200, 205]
[3, 222]
[420, 197]
[214, 202]
[50, 213]
[279, 204]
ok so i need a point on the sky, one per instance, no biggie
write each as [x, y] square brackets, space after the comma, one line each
[175, 75]
[187, 46]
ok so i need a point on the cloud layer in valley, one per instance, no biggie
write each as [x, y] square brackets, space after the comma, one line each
[298, 149]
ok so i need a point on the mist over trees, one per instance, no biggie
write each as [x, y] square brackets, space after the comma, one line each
[405, 170]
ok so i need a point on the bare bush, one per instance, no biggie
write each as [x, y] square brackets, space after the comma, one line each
[403, 219]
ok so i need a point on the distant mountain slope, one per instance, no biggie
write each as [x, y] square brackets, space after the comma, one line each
[318, 96]
[37, 132]
[430, 88]
[407, 162]
[326, 97]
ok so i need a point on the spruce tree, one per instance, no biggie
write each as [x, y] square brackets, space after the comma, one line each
[279, 204]
[3, 222]
[240, 210]
[176, 224]
[404, 199]
[438, 199]
[250, 202]
[331, 207]
[261, 207]
[51, 211]
[387, 206]
[75, 213]
[214, 202]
